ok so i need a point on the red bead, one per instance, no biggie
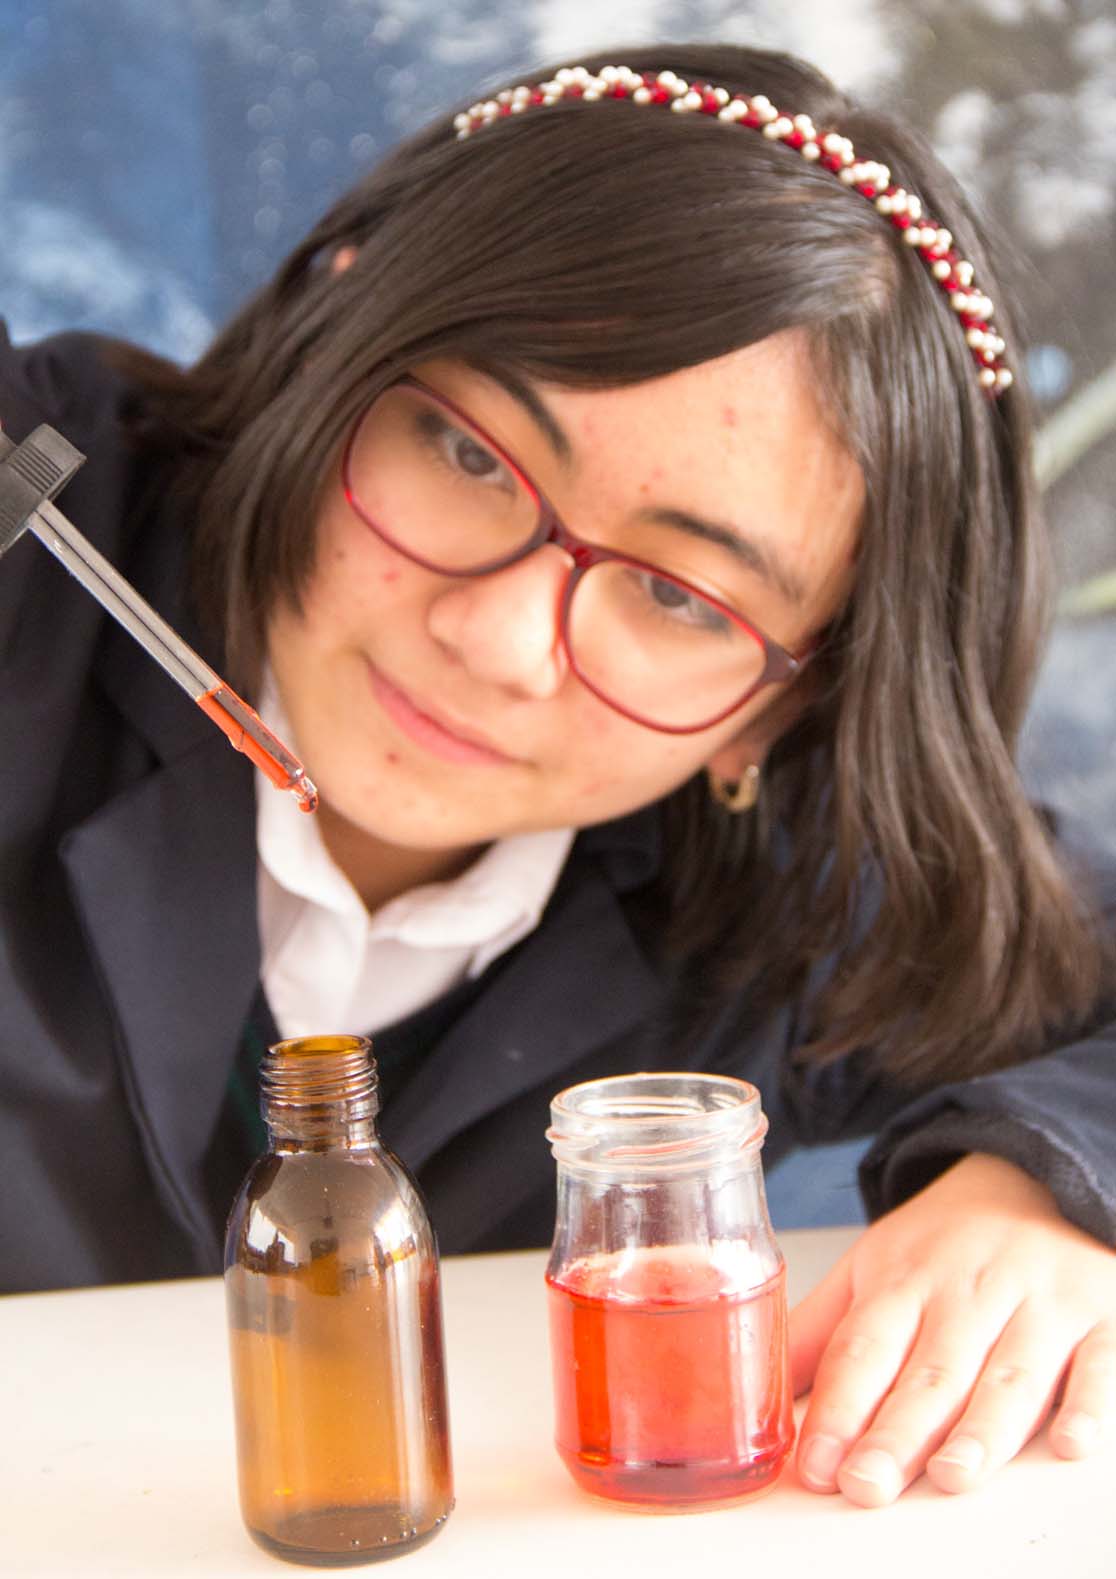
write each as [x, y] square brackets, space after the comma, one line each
[505, 109]
[537, 97]
[796, 138]
[574, 91]
[619, 91]
[831, 162]
[659, 95]
[709, 104]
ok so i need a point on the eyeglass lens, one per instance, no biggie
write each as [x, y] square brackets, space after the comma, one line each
[639, 634]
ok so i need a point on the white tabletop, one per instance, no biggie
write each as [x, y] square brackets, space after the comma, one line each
[117, 1458]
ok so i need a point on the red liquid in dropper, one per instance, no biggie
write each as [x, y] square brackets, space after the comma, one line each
[246, 731]
[671, 1382]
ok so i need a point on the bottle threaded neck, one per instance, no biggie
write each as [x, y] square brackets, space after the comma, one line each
[661, 1123]
[315, 1087]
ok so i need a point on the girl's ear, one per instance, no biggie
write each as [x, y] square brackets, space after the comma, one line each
[755, 739]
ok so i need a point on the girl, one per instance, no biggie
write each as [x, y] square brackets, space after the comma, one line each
[621, 501]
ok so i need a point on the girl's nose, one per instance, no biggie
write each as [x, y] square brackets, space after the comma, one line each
[505, 628]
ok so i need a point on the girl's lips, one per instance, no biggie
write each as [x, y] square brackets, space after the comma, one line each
[441, 740]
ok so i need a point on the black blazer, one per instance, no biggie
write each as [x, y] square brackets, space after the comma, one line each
[129, 954]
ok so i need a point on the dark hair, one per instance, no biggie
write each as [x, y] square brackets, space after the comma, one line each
[600, 246]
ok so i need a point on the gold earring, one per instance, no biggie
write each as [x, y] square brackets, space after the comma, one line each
[739, 795]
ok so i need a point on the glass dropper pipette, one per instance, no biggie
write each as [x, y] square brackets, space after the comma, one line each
[29, 475]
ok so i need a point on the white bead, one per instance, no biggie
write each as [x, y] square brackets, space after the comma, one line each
[899, 202]
[1005, 377]
[942, 270]
[721, 95]
[914, 207]
[581, 74]
[518, 106]
[641, 96]
[460, 122]
[766, 111]
[975, 339]
[679, 106]
[831, 143]
[987, 377]
[666, 79]
[551, 98]
[692, 101]
[960, 302]
[553, 86]
[913, 236]
[810, 151]
[461, 135]
[564, 76]
[732, 112]
[784, 126]
[591, 95]
[679, 88]
[965, 273]
[884, 204]
[848, 175]
[945, 239]
[806, 126]
[609, 74]
[761, 102]
[504, 96]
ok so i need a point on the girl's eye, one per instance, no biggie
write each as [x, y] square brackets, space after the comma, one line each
[471, 457]
[464, 455]
[683, 607]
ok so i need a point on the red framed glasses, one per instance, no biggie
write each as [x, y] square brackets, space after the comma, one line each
[645, 640]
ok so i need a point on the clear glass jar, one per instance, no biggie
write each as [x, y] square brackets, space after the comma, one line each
[335, 1323]
[666, 1292]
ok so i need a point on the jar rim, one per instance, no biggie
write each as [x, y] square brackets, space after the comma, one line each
[654, 1116]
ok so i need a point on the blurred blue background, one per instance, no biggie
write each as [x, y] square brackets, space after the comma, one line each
[157, 160]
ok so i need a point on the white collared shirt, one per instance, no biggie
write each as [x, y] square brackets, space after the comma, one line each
[328, 966]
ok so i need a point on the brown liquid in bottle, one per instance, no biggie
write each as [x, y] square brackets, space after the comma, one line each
[335, 1330]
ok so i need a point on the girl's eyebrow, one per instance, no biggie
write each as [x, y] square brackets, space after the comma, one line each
[543, 418]
[761, 558]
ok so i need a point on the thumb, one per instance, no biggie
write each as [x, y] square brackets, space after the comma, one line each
[813, 1319]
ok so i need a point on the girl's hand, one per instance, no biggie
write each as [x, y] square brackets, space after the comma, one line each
[940, 1340]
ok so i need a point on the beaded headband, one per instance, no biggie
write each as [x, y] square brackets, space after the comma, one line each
[931, 241]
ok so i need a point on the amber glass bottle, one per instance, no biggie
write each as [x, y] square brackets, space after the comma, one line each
[331, 1277]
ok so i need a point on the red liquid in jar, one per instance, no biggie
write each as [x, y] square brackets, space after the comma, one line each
[671, 1383]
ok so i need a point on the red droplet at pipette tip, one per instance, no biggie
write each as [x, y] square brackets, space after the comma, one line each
[306, 793]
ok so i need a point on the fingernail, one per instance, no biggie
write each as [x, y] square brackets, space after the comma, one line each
[964, 1451]
[875, 1468]
[1082, 1429]
[819, 1463]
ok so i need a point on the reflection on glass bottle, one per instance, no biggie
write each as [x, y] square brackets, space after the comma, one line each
[331, 1276]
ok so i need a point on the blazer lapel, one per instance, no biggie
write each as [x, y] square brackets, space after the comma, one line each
[577, 983]
[164, 880]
